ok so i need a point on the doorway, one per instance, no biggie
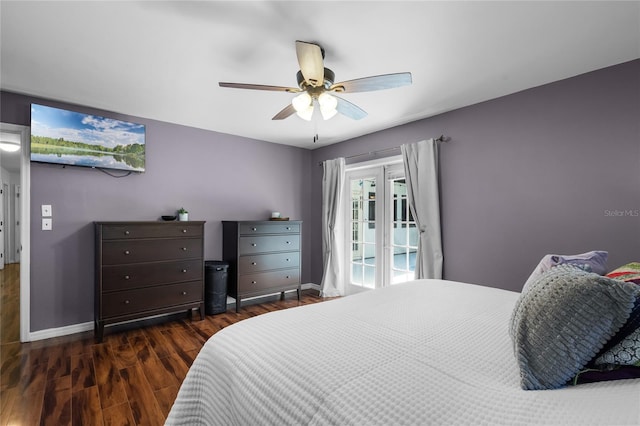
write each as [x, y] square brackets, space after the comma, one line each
[381, 235]
[15, 182]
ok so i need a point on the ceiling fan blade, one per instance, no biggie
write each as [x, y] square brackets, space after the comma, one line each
[349, 109]
[260, 87]
[377, 82]
[310, 61]
[286, 112]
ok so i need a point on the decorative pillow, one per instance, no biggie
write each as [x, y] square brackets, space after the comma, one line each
[592, 261]
[629, 273]
[624, 347]
[627, 352]
[562, 321]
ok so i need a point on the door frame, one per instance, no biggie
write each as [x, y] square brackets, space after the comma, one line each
[372, 168]
[25, 227]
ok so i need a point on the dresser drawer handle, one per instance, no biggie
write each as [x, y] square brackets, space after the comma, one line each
[254, 282]
[254, 229]
[184, 271]
[288, 242]
[184, 249]
[126, 277]
[126, 302]
[184, 293]
[254, 245]
[254, 263]
[287, 277]
[287, 260]
[126, 232]
[184, 231]
[127, 252]
[288, 228]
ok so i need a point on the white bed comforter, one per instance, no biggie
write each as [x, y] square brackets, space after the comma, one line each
[427, 352]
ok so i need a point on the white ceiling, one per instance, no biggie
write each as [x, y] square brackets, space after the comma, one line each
[163, 60]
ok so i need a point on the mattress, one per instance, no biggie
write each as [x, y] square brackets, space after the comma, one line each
[430, 352]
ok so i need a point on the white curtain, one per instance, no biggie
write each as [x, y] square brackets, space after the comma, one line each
[332, 239]
[422, 177]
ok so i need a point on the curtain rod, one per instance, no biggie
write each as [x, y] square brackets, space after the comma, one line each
[441, 138]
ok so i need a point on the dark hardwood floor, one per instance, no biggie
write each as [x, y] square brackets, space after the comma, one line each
[131, 378]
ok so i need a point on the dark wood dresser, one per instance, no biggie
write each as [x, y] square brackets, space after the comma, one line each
[147, 268]
[264, 257]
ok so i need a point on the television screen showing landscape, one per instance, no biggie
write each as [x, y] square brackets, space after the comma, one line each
[71, 138]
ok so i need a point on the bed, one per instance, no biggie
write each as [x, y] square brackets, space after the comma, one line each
[431, 352]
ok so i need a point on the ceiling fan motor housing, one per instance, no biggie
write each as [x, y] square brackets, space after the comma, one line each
[329, 78]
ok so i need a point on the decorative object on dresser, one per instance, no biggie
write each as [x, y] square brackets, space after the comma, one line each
[183, 215]
[147, 268]
[263, 256]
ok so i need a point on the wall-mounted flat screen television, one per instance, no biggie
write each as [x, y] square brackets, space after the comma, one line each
[71, 138]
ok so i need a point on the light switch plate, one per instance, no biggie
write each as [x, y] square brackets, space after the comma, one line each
[46, 210]
[47, 223]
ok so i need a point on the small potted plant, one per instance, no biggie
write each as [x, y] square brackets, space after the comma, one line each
[183, 215]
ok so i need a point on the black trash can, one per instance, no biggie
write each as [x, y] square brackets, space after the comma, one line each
[215, 286]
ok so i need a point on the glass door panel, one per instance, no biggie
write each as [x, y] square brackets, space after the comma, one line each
[404, 240]
[363, 241]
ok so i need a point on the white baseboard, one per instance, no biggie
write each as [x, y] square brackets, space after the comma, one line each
[60, 331]
[311, 286]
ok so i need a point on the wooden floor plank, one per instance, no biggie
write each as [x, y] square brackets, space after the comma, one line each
[125, 355]
[26, 409]
[166, 397]
[157, 342]
[144, 405]
[118, 415]
[83, 373]
[59, 364]
[110, 386]
[34, 379]
[56, 407]
[9, 396]
[85, 407]
[175, 366]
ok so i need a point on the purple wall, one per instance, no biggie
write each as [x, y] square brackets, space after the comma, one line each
[215, 176]
[523, 175]
[528, 174]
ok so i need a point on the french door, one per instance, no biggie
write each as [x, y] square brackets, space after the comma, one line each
[381, 240]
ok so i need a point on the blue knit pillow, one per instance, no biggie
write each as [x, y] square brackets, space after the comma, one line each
[563, 319]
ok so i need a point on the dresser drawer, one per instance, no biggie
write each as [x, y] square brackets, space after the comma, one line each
[264, 262]
[119, 252]
[146, 299]
[251, 228]
[266, 280]
[123, 277]
[155, 230]
[264, 244]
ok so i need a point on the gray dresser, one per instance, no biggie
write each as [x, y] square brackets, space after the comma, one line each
[263, 256]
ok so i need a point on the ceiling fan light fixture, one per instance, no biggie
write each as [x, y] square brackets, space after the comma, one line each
[327, 101]
[302, 102]
[328, 105]
[306, 114]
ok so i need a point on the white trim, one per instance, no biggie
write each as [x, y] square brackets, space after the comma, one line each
[311, 286]
[60, 331]
[374, 163]
[25, 234]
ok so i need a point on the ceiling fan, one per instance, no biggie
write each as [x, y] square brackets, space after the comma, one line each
[316, 86]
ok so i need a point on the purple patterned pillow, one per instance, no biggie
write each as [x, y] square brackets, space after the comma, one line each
[592, 261]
